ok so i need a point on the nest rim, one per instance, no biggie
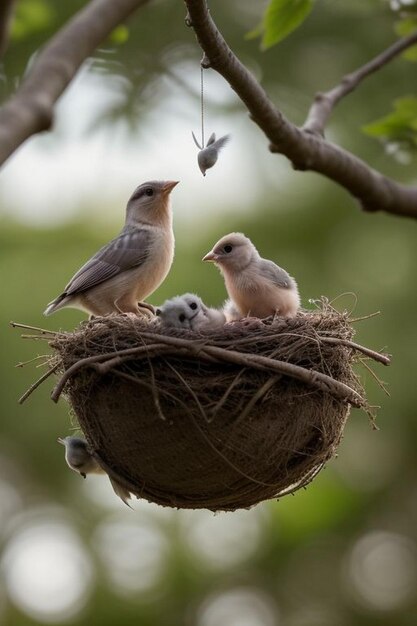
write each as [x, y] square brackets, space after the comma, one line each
[152, 346]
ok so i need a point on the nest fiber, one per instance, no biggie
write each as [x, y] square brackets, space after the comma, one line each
[218, 421]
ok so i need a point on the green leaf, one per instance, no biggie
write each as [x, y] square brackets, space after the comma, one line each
[31, 16]
[119, 35]
[406, 27]
[256, 32]
[281, 18]
[399, 126]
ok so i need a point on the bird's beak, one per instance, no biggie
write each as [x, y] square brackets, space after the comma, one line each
[210, 256]
[169, 186]
[60, 440]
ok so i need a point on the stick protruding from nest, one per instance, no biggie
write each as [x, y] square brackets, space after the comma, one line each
[221, 420]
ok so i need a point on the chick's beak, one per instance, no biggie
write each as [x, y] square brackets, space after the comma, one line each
[210, 256]
[169, 186]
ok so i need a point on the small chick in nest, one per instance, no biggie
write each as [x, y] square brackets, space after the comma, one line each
[189, 311]
[231, 312]
[80, 459]
[257, 287]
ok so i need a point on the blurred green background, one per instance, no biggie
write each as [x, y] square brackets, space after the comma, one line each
[341, 553]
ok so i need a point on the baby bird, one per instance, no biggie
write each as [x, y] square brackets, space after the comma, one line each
[80, 459]
[131, 266]
[257, 287]
[189, 311]
[207, 157]
[230, 311]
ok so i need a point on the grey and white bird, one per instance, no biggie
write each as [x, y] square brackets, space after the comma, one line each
[189, 311]
[208, 155]
[256, 286]
[80, 459]
[130, 267]
[230, 311]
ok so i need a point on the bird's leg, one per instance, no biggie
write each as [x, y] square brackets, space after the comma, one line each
[148, 307]
[127, 306]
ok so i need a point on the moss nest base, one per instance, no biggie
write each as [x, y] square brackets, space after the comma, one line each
[219, 421]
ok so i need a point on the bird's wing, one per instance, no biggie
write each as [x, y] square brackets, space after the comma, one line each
[211, 139]
[275, 274]
[123, 493]
[196, 142]
[130, 249]
[221, 142]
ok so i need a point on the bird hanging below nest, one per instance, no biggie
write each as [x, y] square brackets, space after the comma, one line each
[80, 460]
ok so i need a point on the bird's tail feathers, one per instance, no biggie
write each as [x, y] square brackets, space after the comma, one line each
[221, 142]
[55, 305]
[123, 493]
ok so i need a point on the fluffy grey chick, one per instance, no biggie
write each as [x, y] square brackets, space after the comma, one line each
[231, 312]
[189, 311]
[80, 459]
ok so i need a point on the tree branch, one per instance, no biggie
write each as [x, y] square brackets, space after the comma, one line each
[324, 103]
[305, 150]
[30, 111]
[6, 9]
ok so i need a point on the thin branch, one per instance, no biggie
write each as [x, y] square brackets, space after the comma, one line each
[302, 484]
[35, 358]
[262, 391]
[6, 11]
[209, 441]
[310, 377]
[128, 354]
[119, 357]
[31, 110]
[376, 356]
[315, 379]
[375, 377]
[324, 103]
[37, 383]
[305, 150]
[43, 331]
[352, 320]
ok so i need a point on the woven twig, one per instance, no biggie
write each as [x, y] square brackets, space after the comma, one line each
[220, 421]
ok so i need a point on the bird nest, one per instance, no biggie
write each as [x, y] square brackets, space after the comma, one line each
[222, 421]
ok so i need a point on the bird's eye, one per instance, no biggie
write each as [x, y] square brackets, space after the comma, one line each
[181, 317]
[158, 312]
[193, 305]
[149, 191]
[228, 248]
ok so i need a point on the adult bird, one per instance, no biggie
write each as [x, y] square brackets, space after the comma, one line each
[130, 267]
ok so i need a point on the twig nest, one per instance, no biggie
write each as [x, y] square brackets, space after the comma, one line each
[219, 421]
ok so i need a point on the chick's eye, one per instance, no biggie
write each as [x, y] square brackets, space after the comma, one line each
[149, 191]
[228, 248]
[181, 317]
[193, 305]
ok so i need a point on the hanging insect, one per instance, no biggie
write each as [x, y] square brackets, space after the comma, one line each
[209, 153]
